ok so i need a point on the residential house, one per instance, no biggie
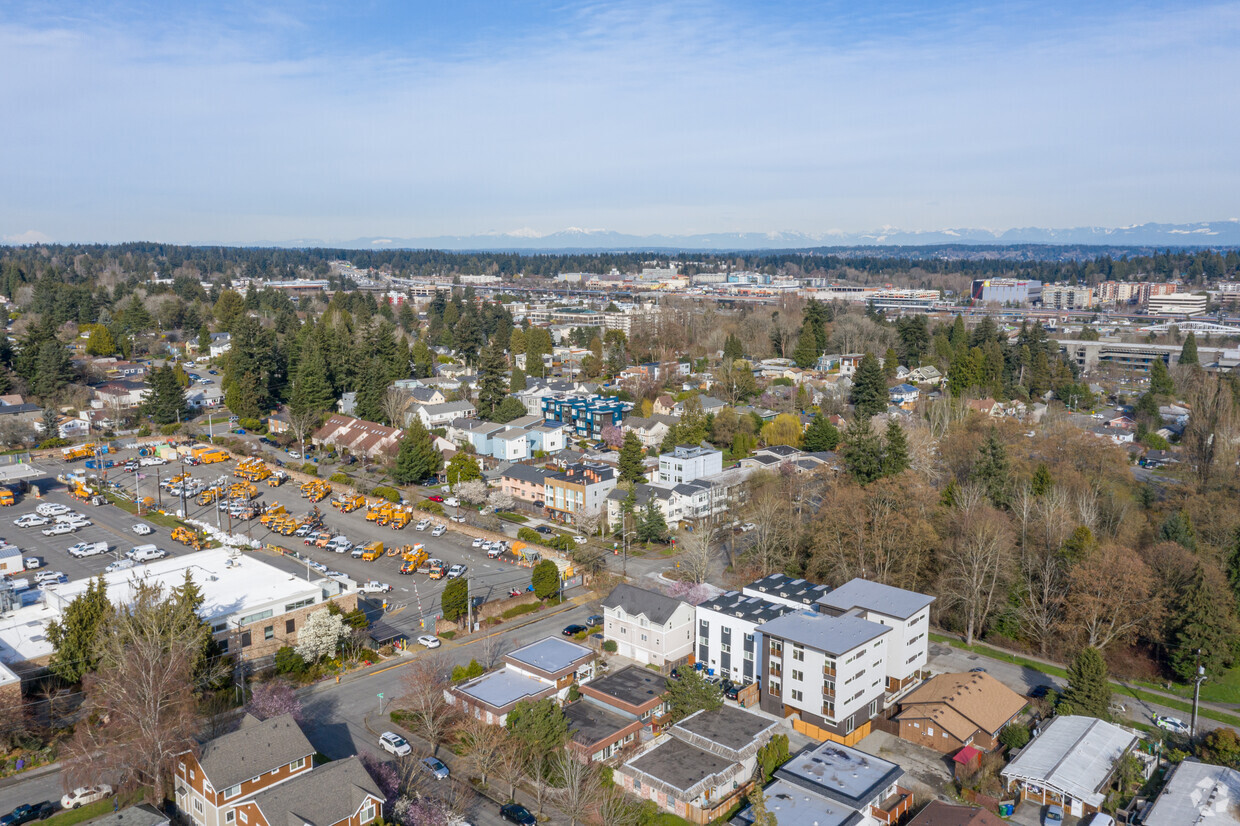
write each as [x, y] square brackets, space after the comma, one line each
[613, 712]
[359, 437]
[651, 430]
[704, 766]
[987, 407]
[578, 492]
[442, 415]
[925, 375]
[340, 793]
[688, 463]
[525, 483]
[941, 813]
[202, 397]
[126, 370]
[665, 405]
[221, 343]
[123, 393]
[907, 613]
[1071, 762]
[903, 396]
[542, 669]
[1197, 793]
[585, 416]
[648, 626]
[828, 784]
[951, 711]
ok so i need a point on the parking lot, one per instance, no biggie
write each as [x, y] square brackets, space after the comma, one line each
[414, 597]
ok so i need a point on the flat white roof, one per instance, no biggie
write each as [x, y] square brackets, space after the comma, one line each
[7, 677]
[1073, 755]
[230, 586]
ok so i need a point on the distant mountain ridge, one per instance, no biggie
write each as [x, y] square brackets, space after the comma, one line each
[1206, 233]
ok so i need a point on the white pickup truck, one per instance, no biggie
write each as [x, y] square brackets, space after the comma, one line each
[84, 549]
[374, 587]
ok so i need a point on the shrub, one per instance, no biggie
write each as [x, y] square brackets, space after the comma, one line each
[1014, 736]
[529, 535]
[289, 661]
[511, 517]
[339, 478]
[249, 424]
[561, 542]
[170, 429]
[310, 469]
[428, 506]
[520, 610]
[574, 693]
[467, 672]
[389, 493]
[145, 430]
[55, 441]
[610, 646]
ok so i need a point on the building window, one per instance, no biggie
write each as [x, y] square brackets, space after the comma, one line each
[368, 811]
[797, 695]
[643, 637]
[232, 791]
[230, 816]
[198, 805]
[725, 648]
[244, 818]
[772, 688]
[297, 764]
[261, 615]
[873, 707]
[245, 639]
[269, 632]
[848, 724]
[290, 626]
[798, 653]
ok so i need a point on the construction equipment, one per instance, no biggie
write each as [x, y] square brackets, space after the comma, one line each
[377, 511]
[242, 490]
[348, 502]
[415, 554]
[252, 469]
[438, 569]
[316, 490]
[372, 551]
[179, 478]
[278, 478]
[7, 497]
[208, 496]
[72, 454]
[400, 519]
[271, 514]
[215, 454]
[187, 536]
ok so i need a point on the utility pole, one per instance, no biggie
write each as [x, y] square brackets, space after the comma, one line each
[159, 492]
[469, 607]
[1201, 678]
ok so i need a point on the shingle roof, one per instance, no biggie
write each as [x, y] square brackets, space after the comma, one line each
[527, 473]
[255, 748]
[963, 703]
[322, 797]
[633, 600]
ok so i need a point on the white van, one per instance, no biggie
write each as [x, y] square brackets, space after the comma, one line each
[147, 553]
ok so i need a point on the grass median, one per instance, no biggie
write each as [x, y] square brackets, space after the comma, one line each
[1126, 689]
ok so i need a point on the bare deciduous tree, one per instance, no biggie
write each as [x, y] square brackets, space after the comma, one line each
[485, 745]
[302, 423]
[394, 404]
[1110, 596]
[977, 563]
[1209, 438]
[579, 795]
[510, 764]
[770, 508]
[618, 809]
[700, 550]
[430, 715]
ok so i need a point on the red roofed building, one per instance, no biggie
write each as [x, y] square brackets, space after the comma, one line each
[359, 437]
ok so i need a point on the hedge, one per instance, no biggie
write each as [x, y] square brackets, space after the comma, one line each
[388, 493]
[511, 517]
[310, 469]
[529, 535]
[428, 506]
[339, 478]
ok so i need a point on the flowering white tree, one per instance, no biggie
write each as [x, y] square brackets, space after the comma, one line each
[320, 636]
[500, 500]
[474, 491]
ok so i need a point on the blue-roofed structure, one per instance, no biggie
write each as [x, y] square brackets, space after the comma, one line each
[585, 416]
[545, 668]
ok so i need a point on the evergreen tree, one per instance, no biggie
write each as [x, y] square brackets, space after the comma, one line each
[806, 352]
[630, 462]
[204, 342]
[100, 342]
[454, 602]
[539, 727]
[862, 452]
[891, 364]
[546, 579]
[1160, 380]
[423, 360]
[312, 392]
[1042, 481]
[869, 390]
[371, 387]
[1201, 620]
[895, 452]
[991, 469]
[821, 435]
[510, 408]
[75, 636]
[52, 369]
[1178, 528]
[417, 458]
[1188, 353]
[517, 384]
[1088, 690]
[732, 349]
[691, 693]
[165, 401]
[492, 383]
[652, 527]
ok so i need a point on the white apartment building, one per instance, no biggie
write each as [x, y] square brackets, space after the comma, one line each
[906, 613]
[1178, 304]
[647, 626]
[1067, 297]
[829, 671]
[688, 463]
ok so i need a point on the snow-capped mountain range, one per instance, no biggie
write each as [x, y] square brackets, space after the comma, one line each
[1208, 233]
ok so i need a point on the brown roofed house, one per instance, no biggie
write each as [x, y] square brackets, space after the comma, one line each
[938, 813]
[950, 711]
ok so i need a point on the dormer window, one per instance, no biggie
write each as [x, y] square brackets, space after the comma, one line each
[232, 791]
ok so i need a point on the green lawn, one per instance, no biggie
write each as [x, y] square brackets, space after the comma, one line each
[1127, 690]
[1224, 689]
[103, 807]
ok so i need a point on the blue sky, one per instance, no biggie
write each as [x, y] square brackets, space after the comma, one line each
[243, 122]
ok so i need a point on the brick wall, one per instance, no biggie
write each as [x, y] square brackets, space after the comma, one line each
[260, 646]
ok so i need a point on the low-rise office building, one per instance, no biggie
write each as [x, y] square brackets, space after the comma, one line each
[614, 711]
[545, 668]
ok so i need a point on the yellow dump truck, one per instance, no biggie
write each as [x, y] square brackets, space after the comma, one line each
[372, 551]
[75, 452]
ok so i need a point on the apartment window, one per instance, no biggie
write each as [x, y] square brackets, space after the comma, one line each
[749, 655]
[293, 606]
[232, 791]
[772, 687]
[643, 637]
[269, 632]
[223, 646]
[245, 639]
[198, 805]
[181, 766]
[703, 641]
[848, 724]
[796, 695]
[290, 626]
[244, 817]
[725, 648]
[798, 654]
[798, 675]
[230, 816]
[297, 764]
[261, 615]
[873, 707]
[192, 775]
[368, 811]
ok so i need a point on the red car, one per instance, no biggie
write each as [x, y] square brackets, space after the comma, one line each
[435, 498]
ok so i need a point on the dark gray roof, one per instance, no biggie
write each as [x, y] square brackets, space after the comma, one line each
[633, 685]
[656, 607]
[590, 723]
[785, 587]
[729, 727]
[681, 769]
[831, 635]
[321, 797]
[752, 609]
[874, 596]
[642, 493]
[527, 473]
[141, 815]
[255, 748]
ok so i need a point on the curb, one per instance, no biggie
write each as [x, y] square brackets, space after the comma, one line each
[30, 774]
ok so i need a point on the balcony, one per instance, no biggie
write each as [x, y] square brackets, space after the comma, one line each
[828, 671]
[828, 691]
[894, 807]
[776, 671]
